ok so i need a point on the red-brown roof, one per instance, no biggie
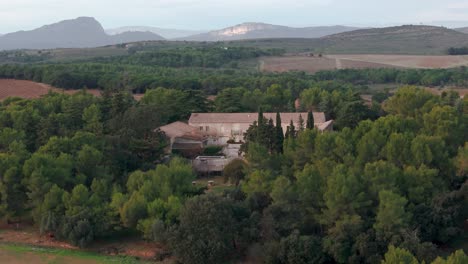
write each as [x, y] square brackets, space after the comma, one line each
[180, 129]
[198, 118]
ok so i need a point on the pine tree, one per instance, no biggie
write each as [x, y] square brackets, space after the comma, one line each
[310, 120]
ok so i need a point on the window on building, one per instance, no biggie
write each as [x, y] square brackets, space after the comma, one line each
[207, 128]
[201, 128]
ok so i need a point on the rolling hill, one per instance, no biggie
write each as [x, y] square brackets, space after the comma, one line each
[266, 31]
[416, 40]
[83, 32]
[398, 40]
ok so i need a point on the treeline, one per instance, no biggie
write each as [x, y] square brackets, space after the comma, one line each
[207, 57]
[140, 78]
[24, 56]
[435, 77]
[458, 51]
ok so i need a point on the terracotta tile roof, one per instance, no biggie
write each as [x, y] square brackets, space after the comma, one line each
[180, 129]
[195, 118]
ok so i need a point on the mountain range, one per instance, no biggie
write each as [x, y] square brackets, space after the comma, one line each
[83, 32]
[86, 32]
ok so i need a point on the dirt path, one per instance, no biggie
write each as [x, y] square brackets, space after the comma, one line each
[339, 65]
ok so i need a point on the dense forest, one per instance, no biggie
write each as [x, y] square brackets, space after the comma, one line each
[389, 185]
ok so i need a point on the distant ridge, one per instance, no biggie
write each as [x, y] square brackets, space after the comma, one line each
[462, 30]
[407, 39]
[166, 33]
[252, 30]
[82, 32]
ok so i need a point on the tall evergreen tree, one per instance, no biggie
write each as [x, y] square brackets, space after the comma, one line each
[301, 123]
[271, 136]
[262, 130]
[291, 130]
[279, 134]
[261, 118]
[310, 120]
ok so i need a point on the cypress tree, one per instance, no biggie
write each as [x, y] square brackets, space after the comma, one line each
[301, 123]
[279, 134]
[291, 130]
[271, 136]
[260, 117]
[310, 120]
[262, 130]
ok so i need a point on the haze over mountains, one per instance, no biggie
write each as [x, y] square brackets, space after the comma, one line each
[166, 33]
[85, 32]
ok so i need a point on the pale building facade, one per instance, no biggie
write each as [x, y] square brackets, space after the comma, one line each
[219, 128]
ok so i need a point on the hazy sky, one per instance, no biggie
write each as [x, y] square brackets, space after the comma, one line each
[212, 14]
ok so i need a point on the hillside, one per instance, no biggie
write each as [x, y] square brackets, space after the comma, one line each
[462, 30]
[82, 32]
[262, 31]
[167, 33]
[406, 39]
[416, 40]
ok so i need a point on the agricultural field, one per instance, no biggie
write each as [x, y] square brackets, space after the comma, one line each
[407, 61]
[31, 90]
[314, 64]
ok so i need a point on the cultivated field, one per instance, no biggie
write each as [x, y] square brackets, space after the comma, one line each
[407, 61]
[360, 61]
[29, 90]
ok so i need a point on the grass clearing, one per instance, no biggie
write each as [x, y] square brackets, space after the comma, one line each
[17, 253]
[219, 185]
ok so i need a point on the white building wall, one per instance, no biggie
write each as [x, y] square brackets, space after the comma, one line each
[225, 131]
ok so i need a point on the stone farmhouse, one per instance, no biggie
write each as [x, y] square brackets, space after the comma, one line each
[225, 130]
[219, 128]
[208, 129]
